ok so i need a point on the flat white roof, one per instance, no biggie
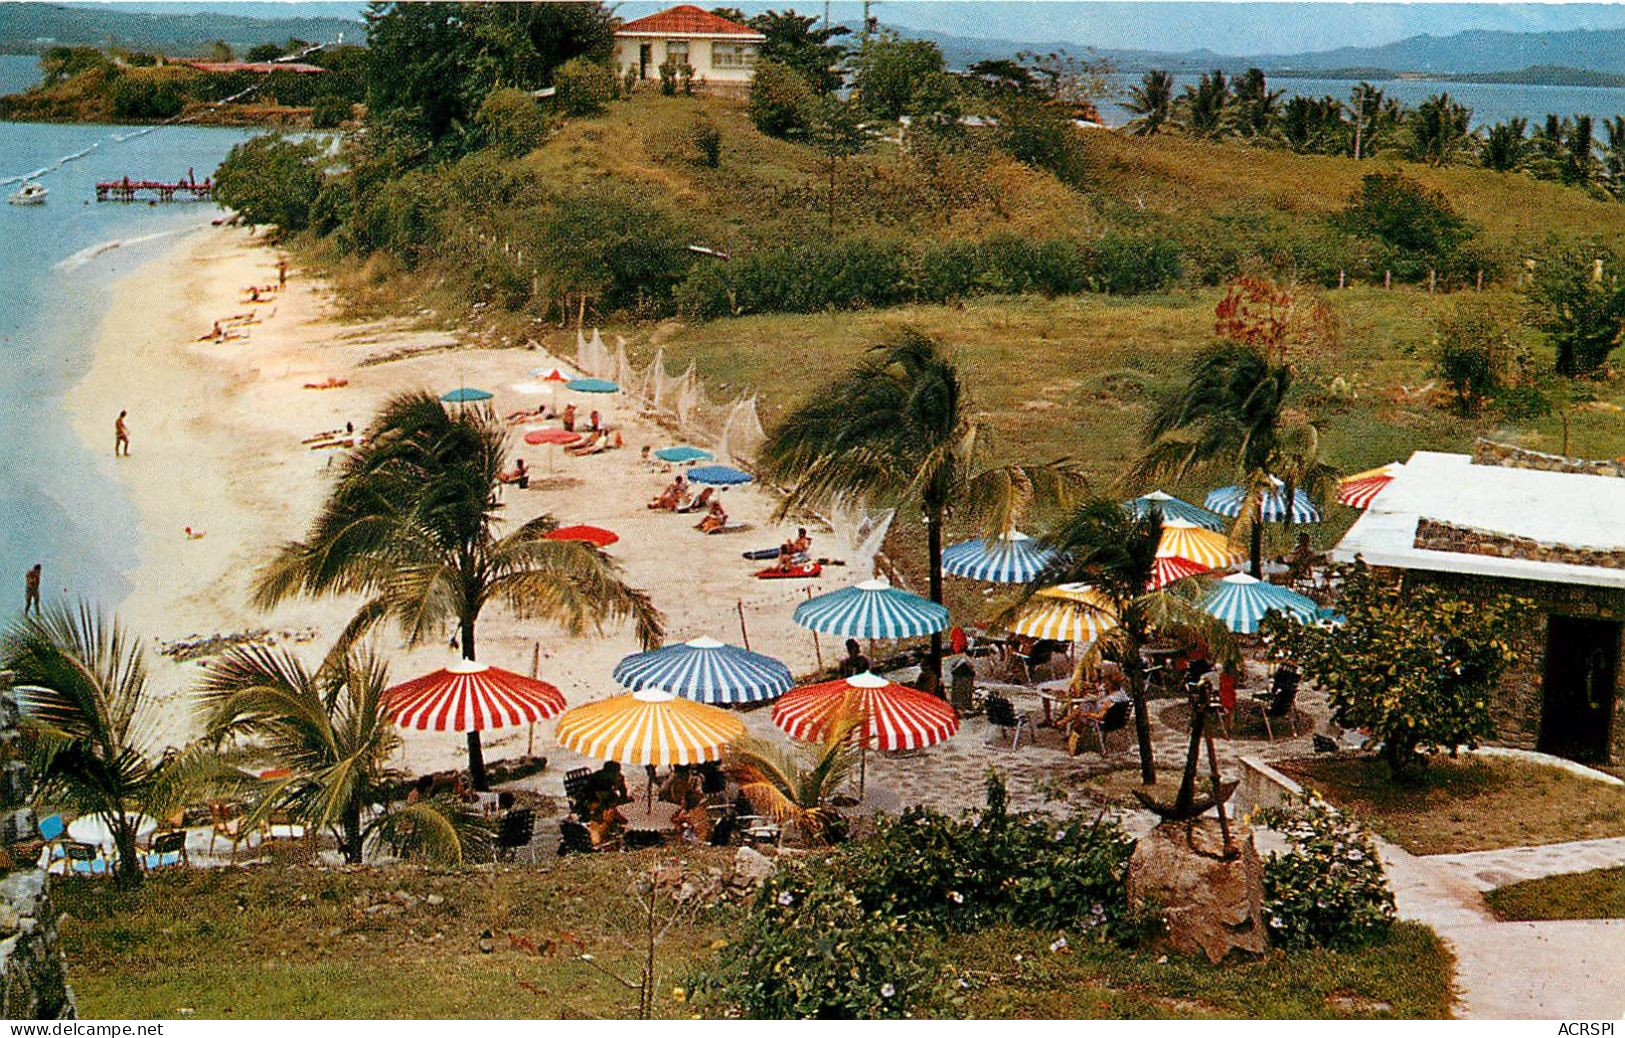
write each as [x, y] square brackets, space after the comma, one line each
[1566, 509]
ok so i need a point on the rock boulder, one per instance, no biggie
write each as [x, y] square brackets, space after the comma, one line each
[1211, 905]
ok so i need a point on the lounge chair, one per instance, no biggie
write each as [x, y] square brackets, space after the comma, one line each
[698, 504]
[166, 850]
[51, 830]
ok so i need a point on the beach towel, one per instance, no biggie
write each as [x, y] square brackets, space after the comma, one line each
[731, 528]
[807, 572]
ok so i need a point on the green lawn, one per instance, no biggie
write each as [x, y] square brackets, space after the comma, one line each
[1468, 804]
[1599, 894]
[290, 941]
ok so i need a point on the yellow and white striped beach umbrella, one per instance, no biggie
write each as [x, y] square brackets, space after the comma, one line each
[1185, 540]
[1066, 613]
[649, 727]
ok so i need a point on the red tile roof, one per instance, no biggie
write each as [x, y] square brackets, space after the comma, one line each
[687, 20]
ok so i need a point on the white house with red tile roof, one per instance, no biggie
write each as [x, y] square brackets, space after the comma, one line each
[719, 50]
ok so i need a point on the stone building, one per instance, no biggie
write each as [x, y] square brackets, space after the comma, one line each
[1545, 528]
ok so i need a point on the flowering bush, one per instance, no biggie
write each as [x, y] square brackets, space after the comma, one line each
[1328, 889]
[966, 874]
[812, 950]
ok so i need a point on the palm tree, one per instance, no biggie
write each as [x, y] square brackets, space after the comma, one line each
[413, 524]
[82, 685]
[1366, 102]
[901, 423]
[1579, 166]
[794, 786]
[1207, 104]
[1256, 103]
[1152, 102]
[1232, 418]
[1613, 159]
[328, 731]
[1505, 145]
[1107, 546]
[1439, 129]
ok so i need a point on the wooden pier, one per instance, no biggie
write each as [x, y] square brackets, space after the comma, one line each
[128, 190]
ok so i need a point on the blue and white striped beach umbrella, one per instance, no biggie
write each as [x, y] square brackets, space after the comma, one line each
[719, 476]
[872, 609]
[1227, 501]
[706, 671]
[1240, 602]
[1013, 558]
[682, 454]
[1173, 508]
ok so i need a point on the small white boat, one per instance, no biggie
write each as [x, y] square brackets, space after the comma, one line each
[30, 194]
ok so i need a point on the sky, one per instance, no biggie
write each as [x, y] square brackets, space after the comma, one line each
[1174, 25]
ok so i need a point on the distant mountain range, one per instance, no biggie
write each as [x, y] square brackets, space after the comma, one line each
[31, 27]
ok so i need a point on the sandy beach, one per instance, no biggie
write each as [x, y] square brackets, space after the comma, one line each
[216, 431]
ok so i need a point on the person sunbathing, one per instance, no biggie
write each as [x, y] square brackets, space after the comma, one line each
[518, 475]
[715, 519]
[802, 544]
[591, 445]
[194, 535]
[669, 498]
[593, 422]
[527, 416]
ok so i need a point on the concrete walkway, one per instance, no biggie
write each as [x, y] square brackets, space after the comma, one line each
[1516, 971]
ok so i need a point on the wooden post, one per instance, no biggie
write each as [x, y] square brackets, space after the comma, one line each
[1433, 280]
[1387, 279]
[1480, 285]
[1341, 276]
[818, 653]
[743, 633]
[535, 669]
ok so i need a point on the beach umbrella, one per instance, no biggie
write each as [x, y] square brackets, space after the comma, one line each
[680, 455]
[1228, 500]
[719, 476]
[649, 727]
[553, 437]
[707, 671]
[471, 697]
[1169, 569]
[872, 609]
[891, 716]
[1066, 613]
[592, 385]
[549, 374]
[1173, 508]
[465, 395]
[1360, 489]
[593, 535]
[1240, 602]
[1185, 540]
[1012, 558]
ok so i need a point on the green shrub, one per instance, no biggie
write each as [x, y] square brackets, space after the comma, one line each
[844, 274]
[707, 140]
[329, 112]
[1523, 403]
[509, 121]
[1472, 347]
[1328, 888]
[1124, 265]
[782, 102]
[949, 271]
[1415, 229]
[271, 180]
[584, 86]
[810, 950]
[155, 93]
[615, 241]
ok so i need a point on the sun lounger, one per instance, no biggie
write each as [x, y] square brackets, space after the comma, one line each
[699, 504]
[730, 528]
[804, 572]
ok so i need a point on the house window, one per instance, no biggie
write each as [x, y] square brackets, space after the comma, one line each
[733, 55]
[677, 52]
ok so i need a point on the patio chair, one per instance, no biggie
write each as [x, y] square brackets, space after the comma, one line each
[166, 850]
[51, 830]
[574, 838]
[84, 860]
[516, 830]
[279, 825]
[1280, 700]
[1112, 719]
[1002, 714]
[576, 781]
[226, 821]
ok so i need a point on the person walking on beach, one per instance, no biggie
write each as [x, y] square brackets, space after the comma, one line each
[121, 436]
[31, 590]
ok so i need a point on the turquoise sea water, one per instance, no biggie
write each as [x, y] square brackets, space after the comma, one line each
[59, 504]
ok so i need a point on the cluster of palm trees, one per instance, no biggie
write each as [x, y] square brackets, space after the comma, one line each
[412, 526]
[1437, 131]
[900, 426]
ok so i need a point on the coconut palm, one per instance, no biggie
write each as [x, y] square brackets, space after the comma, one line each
[1366, 105]
[1152, 102]
[1505, 145]
[1439, 129]
[901, 424]
[1255, 103]
[413, 524]
[1232, 418]
[1614, 156]
[1114, 550]
[1207, 104]
[794, 785]
[327, 731]
[81, 682]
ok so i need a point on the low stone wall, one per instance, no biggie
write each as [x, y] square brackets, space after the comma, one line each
[1488, 452]
[1433, 535]
[33, 975]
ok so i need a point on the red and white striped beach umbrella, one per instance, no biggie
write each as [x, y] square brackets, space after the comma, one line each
[471, 697]
[1170, 568]
[895, 717]
[1362, 488]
